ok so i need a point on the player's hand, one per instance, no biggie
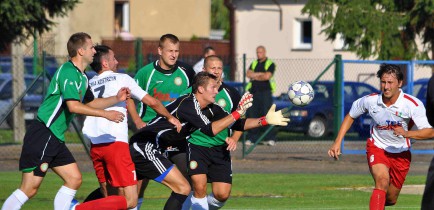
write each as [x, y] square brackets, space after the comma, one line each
[114, 116]
[123, 94]
[274, 117]
[399, 131]
[245, 103]
[232, 143]
[140, 124]
[176, 123]
[335, 151]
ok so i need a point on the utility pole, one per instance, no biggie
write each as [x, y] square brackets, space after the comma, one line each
[18, 88]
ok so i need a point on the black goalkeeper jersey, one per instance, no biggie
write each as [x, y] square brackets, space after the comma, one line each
[187, 110]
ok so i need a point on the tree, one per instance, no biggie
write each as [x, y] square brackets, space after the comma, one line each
[386, 29]
[20, 19]
[220, 16]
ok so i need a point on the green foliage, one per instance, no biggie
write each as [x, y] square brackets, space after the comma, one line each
[220, 16]
[132, 66]
[386, 29]
[20, 19]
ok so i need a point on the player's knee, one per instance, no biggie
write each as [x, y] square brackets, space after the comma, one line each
[131, 201]
[199, 191]
[74, 181]
[222, 197]
[185, 189]
[30, 192]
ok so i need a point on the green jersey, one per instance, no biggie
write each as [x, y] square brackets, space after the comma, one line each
[68, 83]
[164, 85]
[228, 98]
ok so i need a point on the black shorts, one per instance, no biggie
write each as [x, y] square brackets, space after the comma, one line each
[149, 161]
[43, 150]
[215, 162]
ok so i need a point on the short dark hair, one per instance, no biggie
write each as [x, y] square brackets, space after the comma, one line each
[390, 69]
[207, 49]
[172, 38]
[75, 42]
[101, 50]
[201, 79]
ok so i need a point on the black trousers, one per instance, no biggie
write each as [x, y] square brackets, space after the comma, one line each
[262, 101]
[428, 194]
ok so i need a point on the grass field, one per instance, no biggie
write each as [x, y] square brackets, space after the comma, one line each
[250, 191]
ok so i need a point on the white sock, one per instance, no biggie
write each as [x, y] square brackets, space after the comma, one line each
[187, 203]
[199, 203]
[213, 203]
[139, 203]
[15, 200]
[63, 198]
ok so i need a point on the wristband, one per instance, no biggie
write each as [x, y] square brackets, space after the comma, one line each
[263, 121]
[236, 115]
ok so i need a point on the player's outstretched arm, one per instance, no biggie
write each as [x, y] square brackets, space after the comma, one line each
[79, 108]
[156, 105]
[273, 117]
[426, 133]
[335, 149]
[244, 104]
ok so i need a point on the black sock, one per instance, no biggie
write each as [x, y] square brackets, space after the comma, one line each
[96, 194]
[175, 201]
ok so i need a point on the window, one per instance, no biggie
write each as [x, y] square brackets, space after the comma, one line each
[303, 34]
[122, 16]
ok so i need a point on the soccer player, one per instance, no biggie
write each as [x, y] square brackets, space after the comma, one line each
[195, 111]
[44, 143]
[110, 151]
[388, 155]
[165, 80]
[209, 157]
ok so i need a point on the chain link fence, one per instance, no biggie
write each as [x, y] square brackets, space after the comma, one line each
[291, 140]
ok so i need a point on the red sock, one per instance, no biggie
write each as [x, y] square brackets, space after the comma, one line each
[378, 200]
[114, 202]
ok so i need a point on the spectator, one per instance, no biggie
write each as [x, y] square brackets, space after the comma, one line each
[261, 85]
[207, 51]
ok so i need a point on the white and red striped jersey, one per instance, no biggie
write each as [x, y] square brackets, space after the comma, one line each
[100, 130]
[408, 112]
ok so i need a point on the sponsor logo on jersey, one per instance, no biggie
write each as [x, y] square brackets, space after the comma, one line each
[178, 81]
[165, 98]
[193, 165]
[222, 102]
[390, 124]
[44, 167]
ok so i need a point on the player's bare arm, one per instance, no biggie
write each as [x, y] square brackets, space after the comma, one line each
[79, 108]
[156, 105]
[425, 133]
[335, 149]
[131, 108]
[102, 103]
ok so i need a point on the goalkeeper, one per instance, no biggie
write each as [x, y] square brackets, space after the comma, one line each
[195, 111]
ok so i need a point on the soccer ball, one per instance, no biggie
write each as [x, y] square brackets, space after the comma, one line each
[300, 93]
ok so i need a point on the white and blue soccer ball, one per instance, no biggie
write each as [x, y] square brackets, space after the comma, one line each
[300, 93]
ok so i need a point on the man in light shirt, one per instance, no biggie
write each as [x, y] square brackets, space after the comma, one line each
[110, 149]
[388, 154]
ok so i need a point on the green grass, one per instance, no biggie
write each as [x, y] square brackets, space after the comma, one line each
[250, 191]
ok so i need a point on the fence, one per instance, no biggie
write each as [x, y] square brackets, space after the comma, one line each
[324, 71]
